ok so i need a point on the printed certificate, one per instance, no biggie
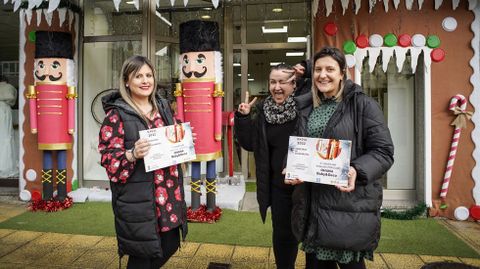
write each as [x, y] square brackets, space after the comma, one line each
[318, 160]
[169, 145]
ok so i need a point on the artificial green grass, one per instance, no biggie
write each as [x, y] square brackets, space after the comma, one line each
[422, 236]
[250, 186]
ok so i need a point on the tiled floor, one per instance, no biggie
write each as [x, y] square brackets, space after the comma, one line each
[25, 249]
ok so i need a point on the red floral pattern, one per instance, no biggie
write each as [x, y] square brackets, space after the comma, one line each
[167, 194]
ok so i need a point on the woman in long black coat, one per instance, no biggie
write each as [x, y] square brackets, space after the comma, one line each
[278, 116]
[341, 225]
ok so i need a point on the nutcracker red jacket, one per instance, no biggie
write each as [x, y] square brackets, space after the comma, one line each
[322, 216]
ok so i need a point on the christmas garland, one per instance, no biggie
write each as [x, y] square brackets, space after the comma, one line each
[201, 214]
[63, 4]
[409, 214]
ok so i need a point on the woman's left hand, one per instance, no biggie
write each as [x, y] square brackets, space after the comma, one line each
[295, 181]
[352, 176]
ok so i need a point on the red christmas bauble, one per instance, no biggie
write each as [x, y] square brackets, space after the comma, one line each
[405, 40]
[362, 41]
[475, 212]
[437, 55]
[36, 195]
[330, 28]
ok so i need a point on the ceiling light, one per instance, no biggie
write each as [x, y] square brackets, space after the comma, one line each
[277, 9]
[297, 39]
[206, 17]
[250, 79]
[237, 64]
[207, 8]
[163, 18]
[276, 63]
[130, 2]
[265, 30]
[291, 54]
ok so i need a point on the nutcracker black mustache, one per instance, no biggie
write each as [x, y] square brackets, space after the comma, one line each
[196, 74]
[51, 77]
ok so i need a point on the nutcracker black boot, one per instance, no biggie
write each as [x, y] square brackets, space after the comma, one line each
[61, 176]
[211, 193]
[47, 184]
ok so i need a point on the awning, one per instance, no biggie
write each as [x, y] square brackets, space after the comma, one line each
[53, 4]
[408, 4]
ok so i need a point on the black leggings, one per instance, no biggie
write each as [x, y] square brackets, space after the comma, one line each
[285, 245]
[313, 263]
[170, 243]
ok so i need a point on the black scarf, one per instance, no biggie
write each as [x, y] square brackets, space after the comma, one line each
[278, 114]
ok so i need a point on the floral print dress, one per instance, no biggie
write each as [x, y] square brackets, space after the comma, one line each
[168, 194]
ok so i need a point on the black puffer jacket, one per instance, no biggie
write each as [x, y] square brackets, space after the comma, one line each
[252, 136]
[324, 216]
[133, 203]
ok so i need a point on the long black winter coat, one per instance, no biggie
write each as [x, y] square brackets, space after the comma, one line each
[252, 136]
[324, 216]
[133, 203]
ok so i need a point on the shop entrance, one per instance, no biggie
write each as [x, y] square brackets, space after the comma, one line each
[263, 34]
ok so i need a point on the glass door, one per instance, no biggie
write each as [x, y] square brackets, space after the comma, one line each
[395, 92]
[255, 76]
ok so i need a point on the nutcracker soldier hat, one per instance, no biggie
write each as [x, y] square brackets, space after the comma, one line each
[197, 35]
[53, 45]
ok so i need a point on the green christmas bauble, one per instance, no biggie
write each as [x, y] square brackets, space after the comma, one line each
[390, 40]
[349, 47]
[433, 41]
[32, 36]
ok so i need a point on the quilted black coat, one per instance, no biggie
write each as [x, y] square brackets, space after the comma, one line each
[324, 216]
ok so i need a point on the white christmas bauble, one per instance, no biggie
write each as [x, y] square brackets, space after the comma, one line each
[31, 175]
[418, 40]
[375, 40]
[449, 24]
[351, 61]
[461, 213]
[25, 195]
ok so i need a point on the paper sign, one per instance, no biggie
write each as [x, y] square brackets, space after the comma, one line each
[169, 145]
[318, 160]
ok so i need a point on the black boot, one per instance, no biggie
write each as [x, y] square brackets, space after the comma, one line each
[196, 192]
[211, 193]
[47, 184]
[61, 177]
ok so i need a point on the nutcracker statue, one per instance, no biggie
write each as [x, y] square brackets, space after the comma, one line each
[52, 110]
[199, 101]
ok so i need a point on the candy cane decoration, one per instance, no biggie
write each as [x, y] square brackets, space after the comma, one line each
[459, 123]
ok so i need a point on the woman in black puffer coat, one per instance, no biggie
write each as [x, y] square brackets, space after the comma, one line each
[149, 207]
[341, 225]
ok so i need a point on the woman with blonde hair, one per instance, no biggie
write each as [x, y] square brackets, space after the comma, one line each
[149, 207]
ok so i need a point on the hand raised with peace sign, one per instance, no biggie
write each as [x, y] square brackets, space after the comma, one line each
[244, 108]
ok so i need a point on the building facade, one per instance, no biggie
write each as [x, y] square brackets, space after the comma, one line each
[411, 56]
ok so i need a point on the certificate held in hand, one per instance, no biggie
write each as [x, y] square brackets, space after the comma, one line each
[318, 160]
[169, 145]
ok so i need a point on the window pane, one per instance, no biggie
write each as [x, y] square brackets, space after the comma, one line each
[101, 18]
[167, 20]
[267, 23]
[102, 64]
